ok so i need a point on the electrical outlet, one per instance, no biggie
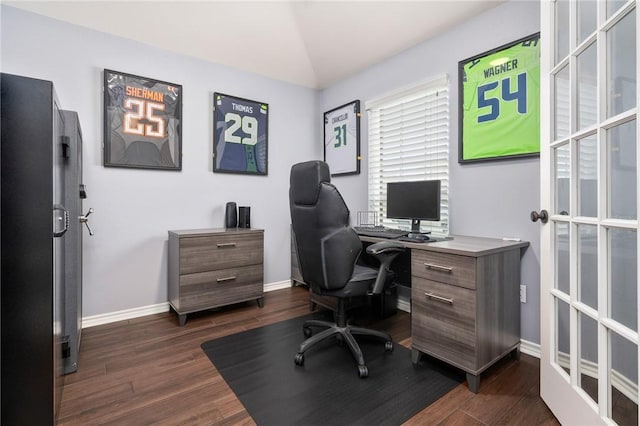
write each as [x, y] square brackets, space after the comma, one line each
[523, 293]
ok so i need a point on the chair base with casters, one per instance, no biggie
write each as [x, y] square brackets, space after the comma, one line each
[343, 332]
[340, 329]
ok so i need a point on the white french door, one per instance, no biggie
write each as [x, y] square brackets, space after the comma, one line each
[589, 185]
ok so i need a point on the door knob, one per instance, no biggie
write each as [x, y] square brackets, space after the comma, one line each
[543, 216]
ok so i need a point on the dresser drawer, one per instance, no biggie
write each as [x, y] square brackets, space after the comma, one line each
[204, 290]
[207, 253]
[443, 321]
[443, 267]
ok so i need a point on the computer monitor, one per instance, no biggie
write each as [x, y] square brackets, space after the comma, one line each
[417, 200]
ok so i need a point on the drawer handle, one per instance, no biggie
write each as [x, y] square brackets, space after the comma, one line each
[439, 298]
[226, 279]
[446, 269]
[224, 245]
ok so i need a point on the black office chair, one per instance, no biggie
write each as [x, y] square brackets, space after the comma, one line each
[328, 249]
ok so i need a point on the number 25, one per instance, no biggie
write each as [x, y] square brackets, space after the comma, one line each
[140, 109]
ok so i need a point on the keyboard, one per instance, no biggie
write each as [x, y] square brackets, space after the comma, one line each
[380, 232]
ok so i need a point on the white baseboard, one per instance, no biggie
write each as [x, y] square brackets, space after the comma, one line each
[279, 285]
[530, 348]
[126, 314]
[142, 311]
[404, 305]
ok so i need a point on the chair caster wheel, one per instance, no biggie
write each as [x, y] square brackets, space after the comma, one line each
[307, 331]
[388, 346]
[299, 359]
[363, 371]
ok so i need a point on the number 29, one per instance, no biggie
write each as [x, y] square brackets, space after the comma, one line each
[249, 126]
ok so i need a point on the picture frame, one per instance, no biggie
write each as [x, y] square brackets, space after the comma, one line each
[342, 139]
[499, 102]
[240, 135]
[142, 122]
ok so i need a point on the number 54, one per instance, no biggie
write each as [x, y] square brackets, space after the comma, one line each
[520, 96]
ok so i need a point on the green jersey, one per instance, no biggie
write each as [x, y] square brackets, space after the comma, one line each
[501, 102]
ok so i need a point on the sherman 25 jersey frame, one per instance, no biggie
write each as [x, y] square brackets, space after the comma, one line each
[142, 122]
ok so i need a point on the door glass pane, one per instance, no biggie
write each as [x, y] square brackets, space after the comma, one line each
[588, 365]
[561, 103]
[588, 266]
[562, 159]
[586, 18]
[621, 149]
[587, 89]
[562, 29]
[562, 257]
[623, 275]
[587, 176]
[613, 6]
[623, 376]
[621, 66]
[563, 351]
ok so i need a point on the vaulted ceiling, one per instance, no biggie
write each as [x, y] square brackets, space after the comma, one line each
[309, 43]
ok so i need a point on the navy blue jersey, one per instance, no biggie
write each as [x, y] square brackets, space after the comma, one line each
[240, 135]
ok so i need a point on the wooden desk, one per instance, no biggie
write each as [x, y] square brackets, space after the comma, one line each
[465, 301]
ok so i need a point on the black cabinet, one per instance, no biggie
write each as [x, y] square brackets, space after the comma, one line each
[32, 231]
[74, 194]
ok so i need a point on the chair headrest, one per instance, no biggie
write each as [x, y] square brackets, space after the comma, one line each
[305, 181]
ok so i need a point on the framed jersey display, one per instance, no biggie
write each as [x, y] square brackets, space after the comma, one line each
[240, 135]
[342, 139]
[142, 122]
[499, 102]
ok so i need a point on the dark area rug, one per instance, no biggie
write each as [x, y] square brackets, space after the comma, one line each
[258, 365]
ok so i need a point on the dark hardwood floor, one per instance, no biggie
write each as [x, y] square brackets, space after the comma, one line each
[151, 371]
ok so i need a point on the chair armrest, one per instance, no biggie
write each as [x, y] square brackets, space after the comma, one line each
[385, 247]
[385, 252]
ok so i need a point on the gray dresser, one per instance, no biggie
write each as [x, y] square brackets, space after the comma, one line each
[209, 268]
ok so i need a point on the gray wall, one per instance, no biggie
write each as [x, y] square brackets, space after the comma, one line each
[491, 199]
[125, 262]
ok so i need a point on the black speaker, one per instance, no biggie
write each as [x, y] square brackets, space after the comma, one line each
[231, 215]
[244, 217]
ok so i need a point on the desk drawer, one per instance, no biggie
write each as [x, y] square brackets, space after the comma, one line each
[443, 321]
[216, 288]
[443, 267]
[209, 253]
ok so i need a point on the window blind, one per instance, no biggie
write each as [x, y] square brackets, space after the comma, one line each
[409, 141]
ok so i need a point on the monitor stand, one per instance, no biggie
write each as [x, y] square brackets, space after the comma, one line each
[415, 234]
